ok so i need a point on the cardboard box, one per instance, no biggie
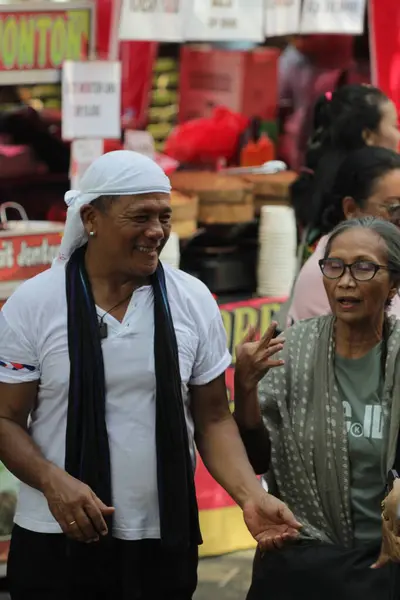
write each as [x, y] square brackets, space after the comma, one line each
[244, 81]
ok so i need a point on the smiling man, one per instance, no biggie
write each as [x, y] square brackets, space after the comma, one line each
[118, 365]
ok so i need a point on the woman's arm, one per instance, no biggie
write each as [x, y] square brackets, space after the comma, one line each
[252, 430]
[253, 361]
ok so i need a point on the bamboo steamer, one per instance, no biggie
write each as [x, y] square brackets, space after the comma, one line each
[222, 199]
[184, 213]
[271, 189]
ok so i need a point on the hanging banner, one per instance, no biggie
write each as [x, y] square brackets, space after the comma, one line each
[384, 21]
[281, 17]
[153, 20]
[27, 255]
[91, 100]
[35, 41]
[333, 16]
[225, 20]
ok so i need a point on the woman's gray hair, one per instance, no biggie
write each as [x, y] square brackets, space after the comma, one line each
[388, 232]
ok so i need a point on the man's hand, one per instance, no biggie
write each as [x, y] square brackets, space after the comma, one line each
[269, 521]
[255, 358]
[77, 509]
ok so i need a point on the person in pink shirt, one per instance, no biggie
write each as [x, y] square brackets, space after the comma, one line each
[367, 183]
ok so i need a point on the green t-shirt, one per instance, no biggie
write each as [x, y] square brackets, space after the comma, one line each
[360, 384]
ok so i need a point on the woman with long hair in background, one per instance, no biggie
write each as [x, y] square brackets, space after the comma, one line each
[367, 183]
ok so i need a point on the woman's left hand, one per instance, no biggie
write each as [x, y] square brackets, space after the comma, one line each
[390, 550]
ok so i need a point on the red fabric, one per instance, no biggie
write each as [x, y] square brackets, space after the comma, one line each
[137, 60]
[204, 140]
[385, 46]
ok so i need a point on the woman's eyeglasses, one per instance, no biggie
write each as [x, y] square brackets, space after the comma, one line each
[361, 270]
[393, 211]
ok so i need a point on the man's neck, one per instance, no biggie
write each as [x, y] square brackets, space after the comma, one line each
[108, 285]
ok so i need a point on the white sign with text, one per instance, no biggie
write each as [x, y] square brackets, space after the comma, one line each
[91, 100]
[333, 16]
[225, 20]
[153, 20]
[140, 141]
[281, 17]
[83, 153]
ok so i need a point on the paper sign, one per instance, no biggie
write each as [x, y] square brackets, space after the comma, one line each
[225, 20]
[153, 20]
[140, 141]
[281, 17]
[83, 153]
[91, 100]
[333, 16]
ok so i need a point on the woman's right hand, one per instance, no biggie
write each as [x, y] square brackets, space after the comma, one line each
[76, 508]
[254, 358]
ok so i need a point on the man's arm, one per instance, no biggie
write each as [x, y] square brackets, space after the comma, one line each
[18, 452]
[73, 504]
[219, 444]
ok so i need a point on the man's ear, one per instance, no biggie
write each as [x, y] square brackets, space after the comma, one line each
[89, 218]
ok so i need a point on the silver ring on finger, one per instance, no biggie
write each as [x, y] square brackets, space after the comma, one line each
[72, 523]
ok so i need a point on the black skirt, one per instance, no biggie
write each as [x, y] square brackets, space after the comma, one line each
[315, 571]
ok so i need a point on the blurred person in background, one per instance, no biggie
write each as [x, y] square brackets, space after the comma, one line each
[346, 120]
[367, 183]
[323, 424]
[308, 67]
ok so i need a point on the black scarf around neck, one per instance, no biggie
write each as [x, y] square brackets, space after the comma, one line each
[87, 447]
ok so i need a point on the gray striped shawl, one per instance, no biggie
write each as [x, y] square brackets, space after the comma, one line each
[304, 416]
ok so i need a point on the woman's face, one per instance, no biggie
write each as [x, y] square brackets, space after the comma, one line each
[384, 202]
[359, 301]
[387, 135]
[131, 233]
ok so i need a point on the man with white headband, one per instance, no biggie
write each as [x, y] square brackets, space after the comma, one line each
[111, 367]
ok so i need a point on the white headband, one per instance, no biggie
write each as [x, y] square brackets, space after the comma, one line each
[119, 173]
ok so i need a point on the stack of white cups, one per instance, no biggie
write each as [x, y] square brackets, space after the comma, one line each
[277, 251]
[171, 251]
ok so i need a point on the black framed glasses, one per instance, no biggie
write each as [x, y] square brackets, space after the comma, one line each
[361, 270]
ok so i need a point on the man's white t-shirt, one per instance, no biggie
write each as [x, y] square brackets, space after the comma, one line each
[34, 346]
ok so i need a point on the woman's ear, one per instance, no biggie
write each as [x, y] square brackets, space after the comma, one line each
[350, 208]
[394, 290]
[369, 137]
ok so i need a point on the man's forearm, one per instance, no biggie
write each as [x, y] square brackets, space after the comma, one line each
[22, 457]
[224, 455]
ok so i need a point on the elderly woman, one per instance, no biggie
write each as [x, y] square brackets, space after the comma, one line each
[367, 183]
[111, 366]
[327, 424]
